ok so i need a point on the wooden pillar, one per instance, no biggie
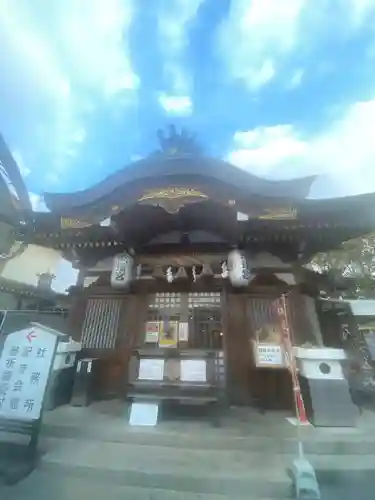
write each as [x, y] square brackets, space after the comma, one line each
[131, 328]
[237, 348]
[76, 316]
[131, 333]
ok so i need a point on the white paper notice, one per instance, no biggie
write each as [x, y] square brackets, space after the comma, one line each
[25, 366]
[145, 414]
[270, 355]
[183, 332]
[193, 370]
[152, 332]
[151, 369]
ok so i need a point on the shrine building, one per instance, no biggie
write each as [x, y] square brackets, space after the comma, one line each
[182, 256]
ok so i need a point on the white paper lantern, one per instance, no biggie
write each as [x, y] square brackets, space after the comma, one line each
[238, 269]
[122, 271]
[169, 274]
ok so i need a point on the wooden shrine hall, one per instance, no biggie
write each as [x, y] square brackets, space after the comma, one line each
[182, 256]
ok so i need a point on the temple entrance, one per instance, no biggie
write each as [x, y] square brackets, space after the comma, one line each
[180, 323]
[218, 328]
[179, 359]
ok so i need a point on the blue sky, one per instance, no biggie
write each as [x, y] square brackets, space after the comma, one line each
[282, 88]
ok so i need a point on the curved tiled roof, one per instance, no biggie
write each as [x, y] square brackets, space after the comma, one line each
[159, 166]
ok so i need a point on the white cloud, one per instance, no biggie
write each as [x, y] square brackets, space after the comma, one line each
[39, 61]
[344, 151]
[54, 176]
[18, 158]
[261, 34]
[36, 55]
[136, 157]
[263, 149]
[257, 33]
[264, 75]
[360, 11]
[175, 74]
[176, 105]
[66, 276]
[96, 35]
[173, 23]
[296, 79]
[37, 203]
[79, 135]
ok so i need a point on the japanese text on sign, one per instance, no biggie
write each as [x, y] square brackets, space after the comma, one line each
[25, 365]
[269, 355]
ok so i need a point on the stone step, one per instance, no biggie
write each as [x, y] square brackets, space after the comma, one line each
[221, 487]
[231, 473]
[43, 485]
[160, 458]
[226, 472]
[315, 441]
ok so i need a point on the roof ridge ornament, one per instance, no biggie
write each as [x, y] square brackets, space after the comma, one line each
[174, 143]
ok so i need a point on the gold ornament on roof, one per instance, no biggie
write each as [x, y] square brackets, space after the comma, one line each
[176, 143]
[71, 223]
[171, 193]
[278, 213]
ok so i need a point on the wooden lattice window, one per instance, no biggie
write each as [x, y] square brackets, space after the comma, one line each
[201, 311]
[101, 322]
[265, 324]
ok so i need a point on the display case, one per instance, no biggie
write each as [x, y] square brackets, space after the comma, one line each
[178, 376]
[179, 357]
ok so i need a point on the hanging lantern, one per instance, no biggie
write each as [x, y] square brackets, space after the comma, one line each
[238, 269]
[194, 274]
[122, 270]
[224, 270]
[169, 274]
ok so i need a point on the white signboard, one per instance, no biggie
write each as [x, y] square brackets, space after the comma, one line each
[193, 370]
[269, 355]
[152, 332]
[25, 366]
[144, 414]
[183, 332]
[151, 369]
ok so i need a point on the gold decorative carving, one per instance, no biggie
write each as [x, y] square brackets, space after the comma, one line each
[278, 213]
[172, 198]
[70, 223]
[172, 193]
